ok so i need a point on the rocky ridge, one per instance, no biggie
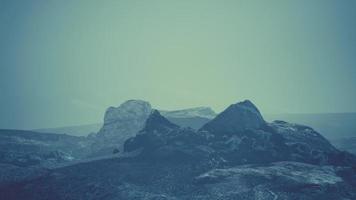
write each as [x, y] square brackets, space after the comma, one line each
[237, 155]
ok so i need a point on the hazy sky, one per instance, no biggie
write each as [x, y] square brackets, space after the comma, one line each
[64, 62]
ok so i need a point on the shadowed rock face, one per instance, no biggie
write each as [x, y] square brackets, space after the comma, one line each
[162, 140]
[155, 134]
[156, 122]
[236, 118]
[307, 145]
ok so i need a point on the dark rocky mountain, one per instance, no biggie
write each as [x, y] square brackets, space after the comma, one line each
[157, 123]
[236, 118]
[237, 155]
[239, 135]
[162, 140]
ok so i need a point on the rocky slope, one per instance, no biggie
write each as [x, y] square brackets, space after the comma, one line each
[279, 180]
[27, 148]
[137, 179]
[333, 126]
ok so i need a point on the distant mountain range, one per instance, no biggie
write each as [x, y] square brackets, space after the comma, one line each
[202, 112]
[78, 130]
[192, 117]
[235, 155]
[331, 125]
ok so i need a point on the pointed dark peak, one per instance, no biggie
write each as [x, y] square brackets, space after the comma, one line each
[236, 118]
[156, 122]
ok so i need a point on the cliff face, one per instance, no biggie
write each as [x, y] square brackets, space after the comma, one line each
[120, 123]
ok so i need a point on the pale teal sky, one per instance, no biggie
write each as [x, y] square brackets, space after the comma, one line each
[64, 62]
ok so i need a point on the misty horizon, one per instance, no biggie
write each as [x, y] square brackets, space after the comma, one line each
[100, 120]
